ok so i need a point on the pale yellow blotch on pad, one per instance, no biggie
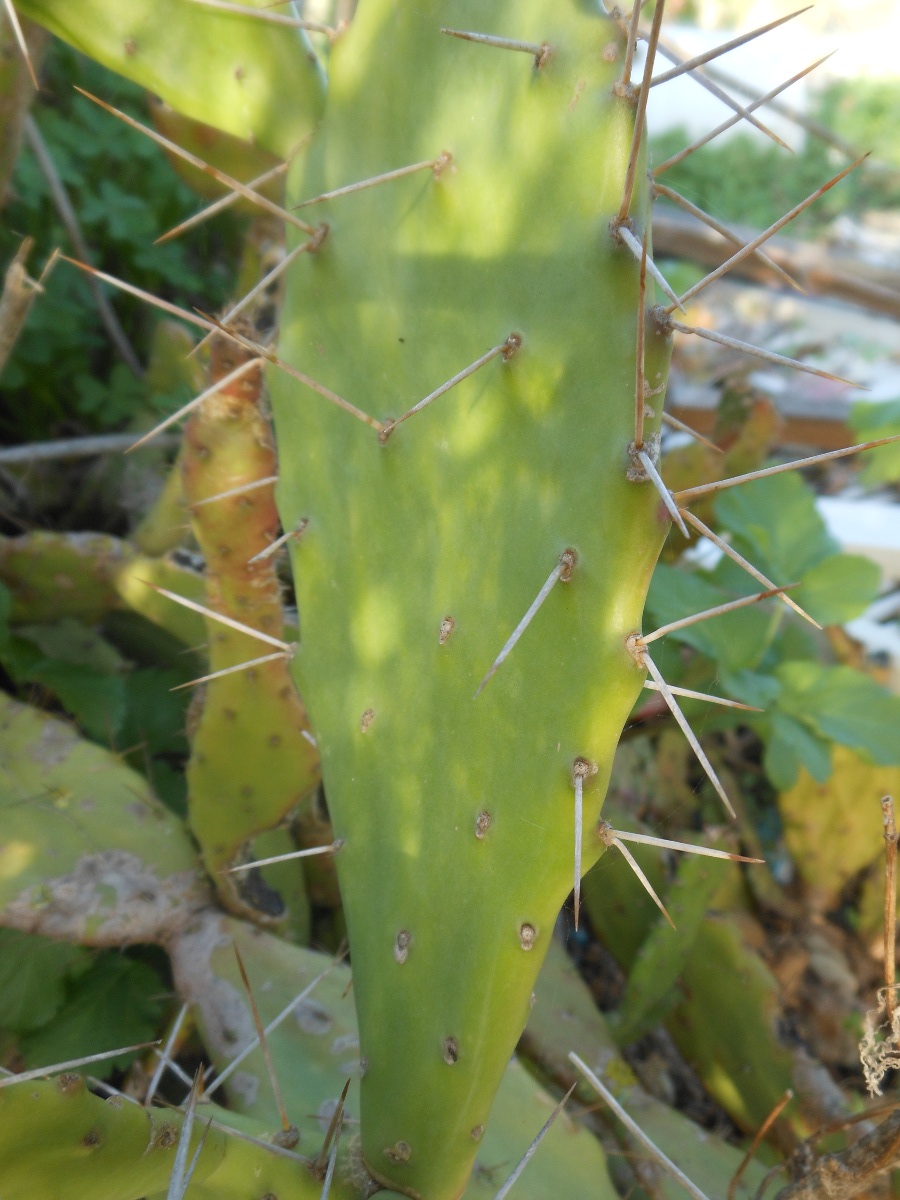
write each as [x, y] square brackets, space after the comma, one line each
[376, 627]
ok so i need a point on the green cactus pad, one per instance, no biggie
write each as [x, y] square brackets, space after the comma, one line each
[620, 909]
[651, 990]
[319, 1040]
[569, 1162]
[86, 852]
[53, 575]
[321, 1045]
[565, 1018]
[88, 575]
[424, 549]
[230, 71]
[239, 158]
[59, 1140]
[727, 1024]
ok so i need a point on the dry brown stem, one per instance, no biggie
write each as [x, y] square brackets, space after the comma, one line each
[849, 1172]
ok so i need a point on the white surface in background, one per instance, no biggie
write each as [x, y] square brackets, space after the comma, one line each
[862, 526]
[766, 62]
[869, 527]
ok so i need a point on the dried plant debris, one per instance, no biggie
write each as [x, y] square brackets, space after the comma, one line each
[879, 1050]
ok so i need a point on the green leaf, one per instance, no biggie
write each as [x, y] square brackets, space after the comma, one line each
[71, 641]
[78, 673]
[20, 657]
[750, 687]
[117, 1002]
[96, 701]
[735, 641]
[169, 785]
[33, 973]
[843, 705]
[791, 745]
[61, 370]
[838, 588]
[156, 714]
[777, 525]
[872, 421]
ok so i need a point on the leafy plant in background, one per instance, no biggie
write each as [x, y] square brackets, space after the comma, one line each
[471, 438]
[766, 661]
[123, 193]
[884, 464]
[741, 180]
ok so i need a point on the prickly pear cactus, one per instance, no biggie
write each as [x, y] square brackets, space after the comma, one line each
[466, 432]
[429, 538]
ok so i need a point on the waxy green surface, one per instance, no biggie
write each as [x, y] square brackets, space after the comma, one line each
[249, 78]
[59, 1140]
[461, 516]
[316, 1051]
[87, 852]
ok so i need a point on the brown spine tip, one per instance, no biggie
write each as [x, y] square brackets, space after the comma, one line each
[451, 1051]
[527, 936]
[401, 946]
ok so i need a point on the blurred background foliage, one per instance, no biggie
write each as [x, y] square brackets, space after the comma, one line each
[63, 377]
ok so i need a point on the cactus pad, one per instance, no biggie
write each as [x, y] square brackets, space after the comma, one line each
[428, 538]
